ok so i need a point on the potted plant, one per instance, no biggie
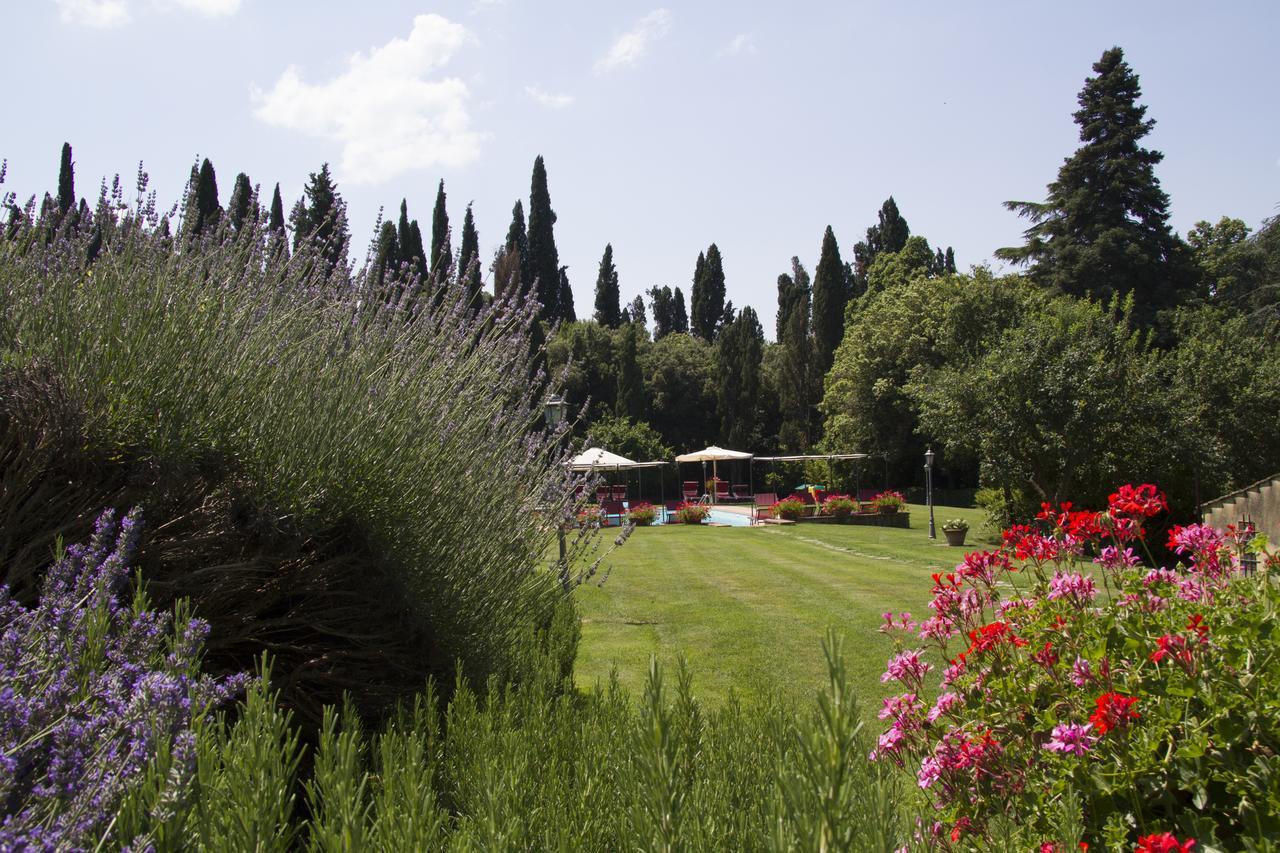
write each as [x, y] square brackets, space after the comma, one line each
[642, 514]
[789, 508]
[839, 507]
[691, 513]
[888, 502]
[955, 529]
[590, 516]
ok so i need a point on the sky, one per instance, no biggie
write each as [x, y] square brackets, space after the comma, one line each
[664, 128]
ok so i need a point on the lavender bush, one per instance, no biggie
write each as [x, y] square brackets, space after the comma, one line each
[90, 685]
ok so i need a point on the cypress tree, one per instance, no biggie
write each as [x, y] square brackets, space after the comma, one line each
[949, 261]
[663, 310]
[66, 182]
[739, 352]
[796, 390]
[680, 316]
[275, 220]
[404, 237]
[708, 296]
[830, 295]
[608, 299]
[386, 259]
[564, 298]
[441, 251]
[205, 210]
[515, 250]
[889, 234]
[637, 315]
[544, 260]
[239, 205]
[469, 258]
[1104, 229]
[630, 398]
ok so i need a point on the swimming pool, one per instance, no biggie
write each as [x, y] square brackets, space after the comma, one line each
[717, 516]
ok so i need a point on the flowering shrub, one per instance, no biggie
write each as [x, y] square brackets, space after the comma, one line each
[590, 515]
[1074, 673]
[840, 506]
[889, 501]
[642, 514]
[691, 513]
[790, 508]
[89, 688]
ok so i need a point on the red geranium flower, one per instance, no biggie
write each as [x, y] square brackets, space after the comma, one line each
[1165, 842]
[1113, 711]
[1145, 500]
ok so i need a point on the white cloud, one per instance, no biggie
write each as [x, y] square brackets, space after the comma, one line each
[631, 46]
[553, 100]
[93, 13]
[389, 117]
[207, 8]
[739, 45]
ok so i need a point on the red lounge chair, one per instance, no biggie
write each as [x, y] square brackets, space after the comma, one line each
[612, 509]
[764, 500]
[619, 493]
[722, 491]
[602, 494]
[741, 492]
[691, 490]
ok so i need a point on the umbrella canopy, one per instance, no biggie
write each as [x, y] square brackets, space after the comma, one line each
[598, 457]
[713, 454]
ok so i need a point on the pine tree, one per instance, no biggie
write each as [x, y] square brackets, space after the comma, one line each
[319, 219]
[205, 210]
[708, 296]
[441, 251]
[630, 398]
[469, 259]
[680, 315]
[889, 234]
[66, 182]
[564, 298]
[739, 353]
[636, 314]
[1104, 229]
[608, 299]
[662, 307]
[544, 260]
[830, 295]
[240, 206]
[514, 257]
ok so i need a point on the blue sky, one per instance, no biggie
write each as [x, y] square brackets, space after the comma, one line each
[664, 127]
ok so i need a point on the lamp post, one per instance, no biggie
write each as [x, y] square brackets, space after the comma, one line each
[928, 490]
[553, 413]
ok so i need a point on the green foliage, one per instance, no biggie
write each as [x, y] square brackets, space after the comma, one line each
[692, 513]
[585, 354]
[204, 211]
[630, 386]
[441, 251]
[790, 509]
[469, 259]
[642, 514]
[632, 439]
[66, 181]
[679, 380]
[319, 220]
[889, 234]
[797, 381]
[738, 355]
[242, 206]
[830, 295]
[955, 524]
[275, 219]
[915, 260]
[608, 299]
[1103, 231]
[839, 506]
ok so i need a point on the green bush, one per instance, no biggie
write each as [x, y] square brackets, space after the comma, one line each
[360, 486]
[790, 508]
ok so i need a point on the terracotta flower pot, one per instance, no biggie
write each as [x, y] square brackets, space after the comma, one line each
[955, 538]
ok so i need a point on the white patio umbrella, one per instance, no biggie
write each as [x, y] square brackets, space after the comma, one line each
[714, 454]
[598, 457]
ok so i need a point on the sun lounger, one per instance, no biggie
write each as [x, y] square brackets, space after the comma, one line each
[690, 490]
[602, 494]
[619, 493]
[612, 509]
[722, 491]
[741, 492]
[763, 501]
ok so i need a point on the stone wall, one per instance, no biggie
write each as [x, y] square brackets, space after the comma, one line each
[1259, 503]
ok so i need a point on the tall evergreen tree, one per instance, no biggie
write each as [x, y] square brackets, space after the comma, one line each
[830, 295]
[739, 353]
[66, 182]
[240, 206]
[630, 399]
[441, 251]
[410, 245]
[797, 395]
[568, 311]
[889, 234]
[515, 251]
[680, 315]
[635, 314]
[1104, 229]
[469, 258]
[662, 307]
[386, 259]
[319, 219]
[205, 210]
[275, 219]
[608, 299]
[708, 296]
[793, 293]
[544, 260]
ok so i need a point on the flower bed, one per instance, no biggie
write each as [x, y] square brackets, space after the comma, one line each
[791, 509]
[1089, 695]
[642, 514]
[691, 513]
[889, 502]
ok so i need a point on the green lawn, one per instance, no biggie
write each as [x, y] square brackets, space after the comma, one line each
[748, 607]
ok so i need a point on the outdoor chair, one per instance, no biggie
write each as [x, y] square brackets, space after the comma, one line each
[741, 492]
[602, 494]
[722, 491]
[763, 500]
[611, 509]
[619, 493]
[690, 490]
